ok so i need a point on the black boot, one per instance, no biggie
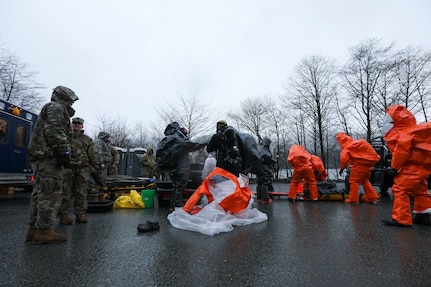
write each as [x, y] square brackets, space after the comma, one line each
[421, 218]
[265, 193]
[392, 222]
[148, 226]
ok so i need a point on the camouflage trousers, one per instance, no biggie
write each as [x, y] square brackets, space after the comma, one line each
[47, 192]
[75, 181]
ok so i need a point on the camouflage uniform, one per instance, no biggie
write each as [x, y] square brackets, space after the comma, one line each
[105, 157]
[148, 163]
[112, 167]
[77, 173]
[48, 150]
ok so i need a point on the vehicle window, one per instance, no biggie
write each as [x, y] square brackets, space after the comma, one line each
[3, 131]
[21, 132]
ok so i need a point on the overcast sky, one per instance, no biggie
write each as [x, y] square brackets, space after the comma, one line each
[125, 57]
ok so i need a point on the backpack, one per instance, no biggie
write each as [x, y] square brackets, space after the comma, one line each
[167, 153]
[248, 149]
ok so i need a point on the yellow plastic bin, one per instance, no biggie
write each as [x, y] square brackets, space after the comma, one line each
[148, 197]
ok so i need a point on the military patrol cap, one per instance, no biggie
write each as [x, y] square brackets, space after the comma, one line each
[78, 120]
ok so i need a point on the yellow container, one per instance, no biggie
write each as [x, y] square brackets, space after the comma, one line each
[148, 197]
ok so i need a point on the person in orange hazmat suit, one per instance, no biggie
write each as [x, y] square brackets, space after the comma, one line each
[319, 168]
[319, 173]
[410, 146]
[300, 159]
[361, 157]
[233, 202]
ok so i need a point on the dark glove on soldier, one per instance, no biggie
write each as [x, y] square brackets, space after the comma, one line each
[233, 153]
[392, 172]
[341, 171]
[63, 157]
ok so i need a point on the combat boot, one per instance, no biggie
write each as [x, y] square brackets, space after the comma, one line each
[81, 218]
[30, 233]
[421, 218]
[42, 236]
[66, 220]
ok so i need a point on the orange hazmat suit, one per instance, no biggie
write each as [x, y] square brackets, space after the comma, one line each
[361, 157]
[234, 202]
[300, 159]
[319, 168]
[410, 146]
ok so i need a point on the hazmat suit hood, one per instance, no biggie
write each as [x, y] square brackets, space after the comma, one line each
[66, 97]
[402, 118]
[298, 151]
[299, 157]
[171, 128]
[63, 95]
[343, 139]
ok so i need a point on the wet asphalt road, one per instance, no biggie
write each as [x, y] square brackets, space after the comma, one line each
[302, 244]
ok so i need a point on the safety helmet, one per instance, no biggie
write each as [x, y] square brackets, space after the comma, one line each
[222, 122]
[63, 95]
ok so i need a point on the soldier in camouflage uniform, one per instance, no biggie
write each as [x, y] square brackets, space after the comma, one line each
[105, 157]
[200, 156]
[48, 151]
[77, 174]
[148, 163]
[112, 166]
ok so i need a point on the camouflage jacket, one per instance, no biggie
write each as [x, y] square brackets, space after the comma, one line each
[115, 157]
[84, 151]
[52, 133]
[104, 152]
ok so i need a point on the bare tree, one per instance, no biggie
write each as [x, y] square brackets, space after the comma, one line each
[274, 120]
[251, 116]
[413, 74]
[362, 75]
[17, 82]
[117, 128]
[311, 93]
[141, 136]
[343, 112]
[189, 112]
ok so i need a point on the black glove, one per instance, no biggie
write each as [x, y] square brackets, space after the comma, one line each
[233, 153]
[341, 171]
[63, 157]
[392, 172]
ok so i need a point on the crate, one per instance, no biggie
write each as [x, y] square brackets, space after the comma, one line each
[163, 193]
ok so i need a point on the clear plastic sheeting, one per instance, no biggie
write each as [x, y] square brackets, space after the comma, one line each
[212, 218]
